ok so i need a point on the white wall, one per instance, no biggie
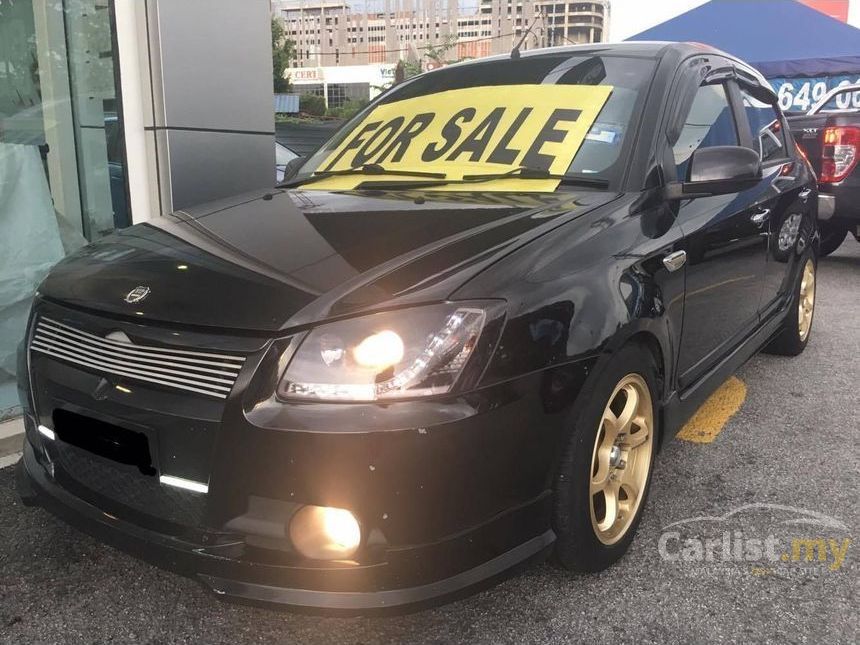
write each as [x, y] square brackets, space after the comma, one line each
[376, 75]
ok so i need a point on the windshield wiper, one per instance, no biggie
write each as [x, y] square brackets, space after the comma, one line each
[439, 179]
[376, 169]
[366, 169]
[524, 172]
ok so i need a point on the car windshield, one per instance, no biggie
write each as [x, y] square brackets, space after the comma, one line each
[569, 117]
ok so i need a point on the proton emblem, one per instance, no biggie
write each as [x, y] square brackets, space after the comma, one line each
[137, 294]
[119, 336]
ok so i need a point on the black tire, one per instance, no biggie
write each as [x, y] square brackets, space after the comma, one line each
[577, 546]
[832, 236]
[790, 341]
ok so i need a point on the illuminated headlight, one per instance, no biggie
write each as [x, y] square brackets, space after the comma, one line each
[324, 533]
[405, 353]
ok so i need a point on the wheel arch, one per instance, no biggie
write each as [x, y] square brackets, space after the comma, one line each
[658, 346]
[813, 232]
[655, 342]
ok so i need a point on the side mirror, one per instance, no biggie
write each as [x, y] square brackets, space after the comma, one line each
[718, 171]
[292, 167]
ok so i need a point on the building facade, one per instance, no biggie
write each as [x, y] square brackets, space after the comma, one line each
[338, 84]
[329, 33]
[113, 112]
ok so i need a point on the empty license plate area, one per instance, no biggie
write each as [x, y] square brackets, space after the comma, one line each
[104, 439]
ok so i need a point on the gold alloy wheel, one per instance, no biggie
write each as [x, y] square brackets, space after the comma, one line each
[806, 304]
[621, 460]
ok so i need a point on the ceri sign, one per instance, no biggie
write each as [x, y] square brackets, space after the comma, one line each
[306, 74]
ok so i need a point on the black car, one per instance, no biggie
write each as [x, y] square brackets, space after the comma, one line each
[382, 384]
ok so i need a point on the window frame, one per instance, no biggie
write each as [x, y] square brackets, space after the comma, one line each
[732, 97]
[760, 94]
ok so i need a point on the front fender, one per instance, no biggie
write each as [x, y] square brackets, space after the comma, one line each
[586, 289]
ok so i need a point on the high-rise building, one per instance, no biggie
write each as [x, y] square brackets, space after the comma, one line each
[331, 32]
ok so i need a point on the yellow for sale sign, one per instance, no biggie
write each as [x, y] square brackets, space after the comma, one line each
[470, 131]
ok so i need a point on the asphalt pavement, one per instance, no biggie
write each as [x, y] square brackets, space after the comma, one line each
[782, 472]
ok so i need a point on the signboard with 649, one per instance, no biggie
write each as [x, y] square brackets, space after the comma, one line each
[800, 94]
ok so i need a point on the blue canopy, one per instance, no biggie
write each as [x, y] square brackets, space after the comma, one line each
[781, 38]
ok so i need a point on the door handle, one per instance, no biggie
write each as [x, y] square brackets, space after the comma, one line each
[805, 193]
[760, 216]
[675, 261]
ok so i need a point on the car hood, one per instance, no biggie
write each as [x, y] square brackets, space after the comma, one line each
[272, 261]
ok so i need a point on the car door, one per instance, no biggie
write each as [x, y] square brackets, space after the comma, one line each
[725, 240]
[784, 196]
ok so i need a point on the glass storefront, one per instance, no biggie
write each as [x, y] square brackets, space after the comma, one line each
[62, 169]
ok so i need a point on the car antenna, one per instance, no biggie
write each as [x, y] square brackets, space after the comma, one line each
[515, 52]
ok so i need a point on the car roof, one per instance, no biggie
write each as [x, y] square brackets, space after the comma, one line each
[636, 48]
[643, 48]
[652, 49]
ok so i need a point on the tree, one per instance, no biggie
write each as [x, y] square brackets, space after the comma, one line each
[283, 54]
[409, 67]
[312, 104]
[437, 53]
[405, 69]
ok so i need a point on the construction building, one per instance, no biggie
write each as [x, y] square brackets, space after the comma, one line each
[331, 33]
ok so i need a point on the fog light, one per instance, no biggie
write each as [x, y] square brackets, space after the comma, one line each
[323, 533]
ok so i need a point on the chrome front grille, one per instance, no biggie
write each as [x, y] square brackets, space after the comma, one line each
[201, 372]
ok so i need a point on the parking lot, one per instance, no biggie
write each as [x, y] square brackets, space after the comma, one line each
[785, 465]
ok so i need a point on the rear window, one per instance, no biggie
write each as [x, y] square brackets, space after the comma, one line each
[602, 153]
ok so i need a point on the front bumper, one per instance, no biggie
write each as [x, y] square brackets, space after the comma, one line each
[450, 493]
[243, 580]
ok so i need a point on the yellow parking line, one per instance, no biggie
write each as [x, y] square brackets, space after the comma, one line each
[710, 419]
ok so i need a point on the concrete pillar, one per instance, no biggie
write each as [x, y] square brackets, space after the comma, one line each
[202, 95]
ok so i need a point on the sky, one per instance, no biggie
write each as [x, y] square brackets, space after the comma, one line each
[629, 17]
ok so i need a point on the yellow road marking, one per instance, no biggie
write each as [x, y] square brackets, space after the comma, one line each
[710, 419]
[717, 285]
[710, 287]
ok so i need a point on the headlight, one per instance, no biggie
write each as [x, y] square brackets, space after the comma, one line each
[406, 353]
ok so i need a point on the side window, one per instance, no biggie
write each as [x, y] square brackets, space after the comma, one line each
[709, 123]
[767, 132]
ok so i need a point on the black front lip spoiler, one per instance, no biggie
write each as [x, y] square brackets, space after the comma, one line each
[368, 600]
[35, 488]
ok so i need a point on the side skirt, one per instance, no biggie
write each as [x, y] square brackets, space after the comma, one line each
[680, 407]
